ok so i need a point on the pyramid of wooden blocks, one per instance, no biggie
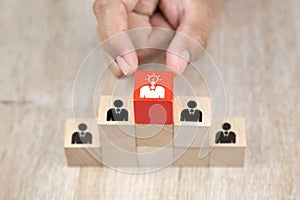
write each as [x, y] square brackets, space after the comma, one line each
[154, 128]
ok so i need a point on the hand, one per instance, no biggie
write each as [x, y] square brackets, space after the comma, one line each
[193, 18]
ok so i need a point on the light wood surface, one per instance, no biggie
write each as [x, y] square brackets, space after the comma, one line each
[42, 44]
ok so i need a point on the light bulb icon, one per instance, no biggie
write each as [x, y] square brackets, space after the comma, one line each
[153, 79]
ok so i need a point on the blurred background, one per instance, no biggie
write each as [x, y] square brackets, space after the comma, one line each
[42, 44]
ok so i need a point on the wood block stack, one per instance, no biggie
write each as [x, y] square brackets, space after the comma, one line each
[153, 128]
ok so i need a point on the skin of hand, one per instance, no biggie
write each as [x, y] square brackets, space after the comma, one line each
[195, 19]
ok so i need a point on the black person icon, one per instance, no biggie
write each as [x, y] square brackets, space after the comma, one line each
[117, 113]
[225, 136]
[191, 114]
[82, 137]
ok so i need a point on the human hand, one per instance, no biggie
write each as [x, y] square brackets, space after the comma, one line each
[195, 19]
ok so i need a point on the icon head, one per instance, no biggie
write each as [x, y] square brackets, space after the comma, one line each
[118, 103]
[82, 127]
[192, 104]
[226, 126]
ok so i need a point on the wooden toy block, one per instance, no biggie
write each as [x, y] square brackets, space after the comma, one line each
[192, 118]
[155, 156]
[191, 157]
[82, 143]
[153, 97]
[116, 157]
[227, 142]
[154, 135]
[116, 123]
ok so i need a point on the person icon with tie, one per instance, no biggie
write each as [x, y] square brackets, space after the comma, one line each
[82, 137]
[191, 114]
[225, 136]
[117, 113]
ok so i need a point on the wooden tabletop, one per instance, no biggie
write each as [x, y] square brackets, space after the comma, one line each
[42, 44]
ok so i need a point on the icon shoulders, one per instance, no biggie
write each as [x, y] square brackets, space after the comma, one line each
[185, 110]
[75, 133]
[232, 133]
[88, 134]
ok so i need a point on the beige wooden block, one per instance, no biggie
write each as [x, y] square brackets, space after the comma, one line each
[119, 136]
[191, 157]
[116, 129]
[157, 157]
[231, 145]
[191, 130]
[116, 157]
[154, 135]
[124, 103]
[82, 142]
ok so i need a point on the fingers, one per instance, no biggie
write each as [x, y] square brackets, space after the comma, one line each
[146, 7]
[158, 20]
[112, 16]
[197, 20]
[112, 20]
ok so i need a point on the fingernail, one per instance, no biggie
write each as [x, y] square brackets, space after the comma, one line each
[131, 70]
[185, 55]
[183, 61]
[123, 64]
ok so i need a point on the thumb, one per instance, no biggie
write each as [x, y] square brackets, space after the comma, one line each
[187, 45]
[195, 26]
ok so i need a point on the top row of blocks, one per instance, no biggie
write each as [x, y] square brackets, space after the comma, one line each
[153, 102]
[185, 110]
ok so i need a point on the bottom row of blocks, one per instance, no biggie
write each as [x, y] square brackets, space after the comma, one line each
[84, 146]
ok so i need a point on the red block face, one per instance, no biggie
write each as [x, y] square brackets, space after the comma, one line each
[153, 97]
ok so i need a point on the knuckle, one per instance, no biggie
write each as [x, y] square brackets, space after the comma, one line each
[100, 5]
[200, 35]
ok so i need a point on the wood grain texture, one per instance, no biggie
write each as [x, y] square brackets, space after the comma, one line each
[190, 157]
[158, 135]
[42, 43]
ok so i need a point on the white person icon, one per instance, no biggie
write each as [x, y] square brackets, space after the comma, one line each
[153, 90]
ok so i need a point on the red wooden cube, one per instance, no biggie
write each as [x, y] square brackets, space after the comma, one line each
[153, 97]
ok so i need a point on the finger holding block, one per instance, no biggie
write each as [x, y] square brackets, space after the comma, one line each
[227, 142]
[192, 118]
[82, 143]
